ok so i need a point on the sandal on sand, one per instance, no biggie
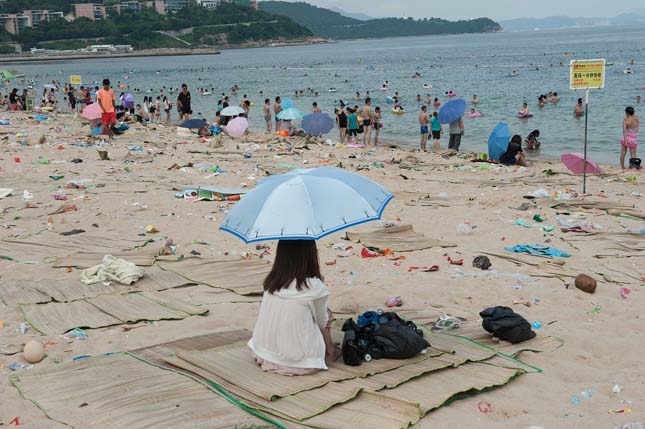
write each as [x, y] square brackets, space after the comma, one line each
[445, 322]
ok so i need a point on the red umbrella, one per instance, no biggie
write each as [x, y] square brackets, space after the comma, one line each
[575, 162]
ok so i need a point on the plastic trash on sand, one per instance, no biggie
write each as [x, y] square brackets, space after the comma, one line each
[540, 193]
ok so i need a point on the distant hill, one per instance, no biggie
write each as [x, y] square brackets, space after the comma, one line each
[359, 16]
[333, 25]
[555, 22]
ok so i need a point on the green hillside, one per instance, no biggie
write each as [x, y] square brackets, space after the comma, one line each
[333, 25]
[227, 25]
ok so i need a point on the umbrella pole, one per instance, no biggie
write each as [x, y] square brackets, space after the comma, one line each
[584, 172]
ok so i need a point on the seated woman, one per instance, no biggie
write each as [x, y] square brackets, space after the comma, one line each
[532, 143]
[514, 154]
[292, 333]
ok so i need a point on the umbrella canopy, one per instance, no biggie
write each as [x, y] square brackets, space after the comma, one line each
[237, 127]
[92, 112]
[575, 162]
[318, 124]
[306, 204]
[128, 100]
[286, 103]
[498, 141]
[232, 111]
[193, 123]
[451, 111]
[6, 75]
[290, 114]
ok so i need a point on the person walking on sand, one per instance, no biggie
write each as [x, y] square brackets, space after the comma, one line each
[267, 115]
[423, 122]
[456, 133]
[366, 114]
[630, 135]
[437, 129]
[105, 98]
[277, 108]
[183, 103]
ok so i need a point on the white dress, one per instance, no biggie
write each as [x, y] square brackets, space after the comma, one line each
[287, 332]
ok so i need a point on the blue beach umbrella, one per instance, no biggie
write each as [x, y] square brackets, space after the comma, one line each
[452, 110]
[286, 103]
[290, 114]
[306, 204]
[193, 123]
[317, 124]
[128, 100]
[498, 141]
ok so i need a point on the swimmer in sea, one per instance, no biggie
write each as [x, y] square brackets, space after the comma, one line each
[578, 110]
[475, 100]
[418, 98]
[555, 98]
[524, 111]
[436, 103]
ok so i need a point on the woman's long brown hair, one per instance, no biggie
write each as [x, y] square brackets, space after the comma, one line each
[294, 259]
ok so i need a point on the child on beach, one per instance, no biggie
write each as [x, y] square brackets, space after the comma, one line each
[377, 124]
[437, 129]
[629, 141]
[352, 122]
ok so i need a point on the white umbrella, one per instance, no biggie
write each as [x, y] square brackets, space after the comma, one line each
[232, 111]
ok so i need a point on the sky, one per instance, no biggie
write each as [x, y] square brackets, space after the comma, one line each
[495, 9]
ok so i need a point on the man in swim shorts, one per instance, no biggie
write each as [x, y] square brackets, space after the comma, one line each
[425, 130]
[277, 108]
[267, 114]
[105, 98]
[366, 115]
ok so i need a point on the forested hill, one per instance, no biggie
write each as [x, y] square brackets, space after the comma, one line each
[227, 25]
[329, 24]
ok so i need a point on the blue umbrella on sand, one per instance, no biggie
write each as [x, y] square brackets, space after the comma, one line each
[306, 204]
[193, 123]
[498, 141]
[290, 114]
[451, 111]
[286, 103]
[318, 124]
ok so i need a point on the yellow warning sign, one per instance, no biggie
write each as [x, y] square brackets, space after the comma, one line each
[587, 74]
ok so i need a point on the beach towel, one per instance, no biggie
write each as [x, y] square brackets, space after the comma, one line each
[112, 269]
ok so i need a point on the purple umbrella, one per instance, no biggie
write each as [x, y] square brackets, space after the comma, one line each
[317, 124]
[237, 127]
[128, 100]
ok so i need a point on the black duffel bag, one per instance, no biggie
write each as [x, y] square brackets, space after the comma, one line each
[395, 338]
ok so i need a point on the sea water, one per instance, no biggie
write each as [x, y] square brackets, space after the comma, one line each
[479, 64]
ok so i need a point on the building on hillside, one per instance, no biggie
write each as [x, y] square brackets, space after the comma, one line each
[166, 6]
[39, 16]
[92, 11]
[174, 5]
[209, 4]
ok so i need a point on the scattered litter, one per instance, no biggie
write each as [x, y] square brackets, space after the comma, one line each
[464, 229]
[455, 261]
[15, 366]
[24, 327]
[76, 333]
[620, 411]
[536, 325]
[482, 262]
[394, 301]
[26, 195]
[586, 283]
[484, 407]
[538, 250]
[5, 192]
[624, 292]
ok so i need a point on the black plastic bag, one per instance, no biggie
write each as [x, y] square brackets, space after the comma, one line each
[507, 325]
[396, 339]
[354, 347]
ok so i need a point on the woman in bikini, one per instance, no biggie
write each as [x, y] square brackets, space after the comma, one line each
[630, 135]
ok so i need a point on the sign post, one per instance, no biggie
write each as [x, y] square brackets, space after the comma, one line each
[587, 74]
[75, 79]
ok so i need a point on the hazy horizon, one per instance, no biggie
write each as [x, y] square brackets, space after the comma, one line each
[467, 9]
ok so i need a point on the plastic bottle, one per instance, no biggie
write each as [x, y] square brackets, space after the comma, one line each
[635, 425]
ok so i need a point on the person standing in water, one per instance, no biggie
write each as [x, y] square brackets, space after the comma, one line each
[277, 108]
[579, 110]
[423, 122]
[366, 114]
[475, 100]
[377, 124]
[267, 114]
[183, 103]
[630, 135]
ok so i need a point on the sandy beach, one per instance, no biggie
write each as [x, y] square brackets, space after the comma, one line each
[133, 193]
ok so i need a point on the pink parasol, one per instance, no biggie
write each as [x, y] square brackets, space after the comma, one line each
[92, 112]
[237, 127]
[575, 162]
